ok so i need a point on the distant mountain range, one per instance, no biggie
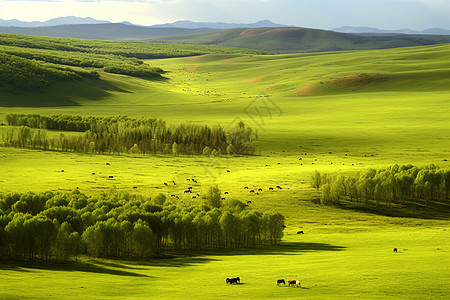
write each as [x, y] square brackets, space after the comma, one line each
[350, 29]
[52, 22]
[186, 24]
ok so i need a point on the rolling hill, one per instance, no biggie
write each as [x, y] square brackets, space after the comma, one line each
[294, 39]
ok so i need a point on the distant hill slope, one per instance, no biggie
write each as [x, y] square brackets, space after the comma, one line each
[218, 25]
[351, 29]
[106, 31]
[294, 39]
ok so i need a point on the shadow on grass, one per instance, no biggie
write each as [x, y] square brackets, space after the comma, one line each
[284, 248]
[131, 267]
[26, 266]
[60, 94]
[417, 209]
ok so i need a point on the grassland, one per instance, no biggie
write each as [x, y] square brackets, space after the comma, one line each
[350, 111]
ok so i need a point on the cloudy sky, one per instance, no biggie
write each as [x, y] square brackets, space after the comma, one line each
[324, 14]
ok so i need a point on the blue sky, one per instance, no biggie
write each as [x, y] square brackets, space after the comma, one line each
[324, 14]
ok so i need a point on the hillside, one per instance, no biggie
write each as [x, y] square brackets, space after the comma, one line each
[293, 39]
[107, 31]
[34, 62]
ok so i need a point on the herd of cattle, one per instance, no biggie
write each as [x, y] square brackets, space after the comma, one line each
[237, 280]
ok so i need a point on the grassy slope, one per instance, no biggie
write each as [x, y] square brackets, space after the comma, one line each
[401, 119]
[292, 40]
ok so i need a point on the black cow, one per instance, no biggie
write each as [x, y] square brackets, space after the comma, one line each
[246, 187]
[252, 191]
[111, 177]
[395, 249]
[226, 193]
[107, 164]
[248, 202]
[260, 190]
[271, 189]
[300, 232]
[165, 183]
[279, 187]
[279, 281]
[232, 280]
[93, 173]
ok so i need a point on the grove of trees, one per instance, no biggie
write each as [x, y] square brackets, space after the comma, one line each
[126, 135]
[396, 184]
[56, 225]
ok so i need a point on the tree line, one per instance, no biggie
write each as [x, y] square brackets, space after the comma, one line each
[396, 184]
[25, 73]
[115, 135]
[56, 225]
[108, 62]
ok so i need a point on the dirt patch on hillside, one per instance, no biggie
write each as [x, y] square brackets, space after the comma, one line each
[251, 32]
[256, 79]
[306, 90]
[269, 88]
[191, 68]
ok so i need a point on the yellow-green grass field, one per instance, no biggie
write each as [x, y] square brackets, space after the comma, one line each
[349, 110]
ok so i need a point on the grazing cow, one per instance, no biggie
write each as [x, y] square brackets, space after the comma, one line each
[226, 193]
[174, 182]
[62, 171]
[279, 187]
[165, 183]
[395, 249]
[134, 187]
[232, 280]
[300, 158]
[271, 189]
[107, 164]
[260, 190]
[187, 191]
[300, 232]
[93, 173]
[223, 198]
[295, 283]
[190, 188]
[246, 187]
[198, 195]
[281, 281]
[111, 177]
[279, 163]
[173, 195]
[315, 159]
[284, 226]
[193, 197]
[248, 202]
[228, 171]
[187, 179]
[252, 191]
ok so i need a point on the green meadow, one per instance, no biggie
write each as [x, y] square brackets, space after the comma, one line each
[340, 112]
